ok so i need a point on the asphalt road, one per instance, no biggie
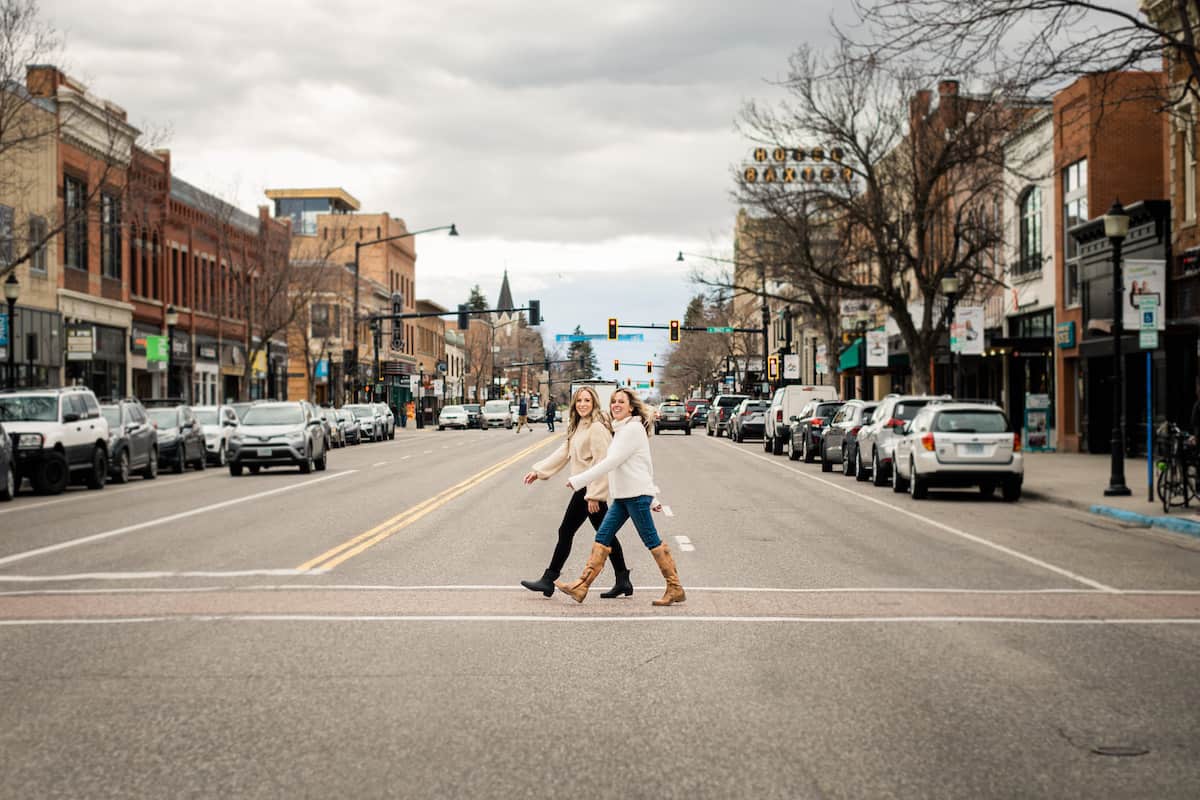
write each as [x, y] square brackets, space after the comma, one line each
[361, 632]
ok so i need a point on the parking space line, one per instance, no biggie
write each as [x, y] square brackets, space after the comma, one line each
[1008, 551]
[685, 544]
[381, 463]
[96, 537]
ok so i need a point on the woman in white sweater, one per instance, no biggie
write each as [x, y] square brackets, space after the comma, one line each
[588, 437]
[631, 487]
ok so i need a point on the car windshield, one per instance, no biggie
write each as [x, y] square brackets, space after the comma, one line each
[113, 415]
[971, 422]
[345, 415]
[499, 405]
[750, 407]
[827, 409]
[472, 407]
[729, 401]
[361, 411]
[162, 417]
[273, 415]
[908, 409]
[674, 408]
[207, 416]
[31, 408]
[240, 409]
[453, 410]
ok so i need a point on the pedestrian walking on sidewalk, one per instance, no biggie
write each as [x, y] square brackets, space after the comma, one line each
[588, 437]
[551, 410]
[631, 486]
[522, 414]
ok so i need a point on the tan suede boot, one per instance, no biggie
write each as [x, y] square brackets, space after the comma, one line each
[579, 589]
[666, 564]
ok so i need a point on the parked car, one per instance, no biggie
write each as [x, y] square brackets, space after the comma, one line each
[748, 420]
[877, 441]
[804, 432]
[217, 423]
[788, 402]
[278, 434]
[132, 440]
[697, 413]
[370, 423]
[536, 413]
[58, 434]
[240, 409]
[837, 437]
[715, 425]
[453, 417]
[337, 433]
[349, 425]
[496, 413]
[8, 468]
[388, 419]
[951, 444]
[180, 437]
[474, 415]
[672, 416]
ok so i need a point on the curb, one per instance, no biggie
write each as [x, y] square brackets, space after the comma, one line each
[1173, 524]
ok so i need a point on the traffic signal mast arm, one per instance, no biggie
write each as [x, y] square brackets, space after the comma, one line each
[696, 328]
[425, 314]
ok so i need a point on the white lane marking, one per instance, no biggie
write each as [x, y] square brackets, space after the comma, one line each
[445, 447]
[95, 537]
[1066, 573]
[109, 491]
[379, 463]
[685, 544]
[665, 617]
[404, 457]
[427, 452]
[133, 576]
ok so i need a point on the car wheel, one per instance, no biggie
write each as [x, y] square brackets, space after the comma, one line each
[860, 472]
[899, 485]
[826, 464]
[98, 475]
[8, 489]
[776, 446]
[1011, 491]
[878, 476]
[121, 473]
[847, 467]
[766, 443]
[222, 455]
[441, 427]
[179, 466]
[51, 474]
[791, 449]
[235, 469]
[809, 456]
[151, 470]
[201, 462]
[323, 461]
[916, 484]
[306, 466]
[254, 468]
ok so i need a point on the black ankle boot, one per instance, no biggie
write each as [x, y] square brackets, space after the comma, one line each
[545, 585]
[621, 587]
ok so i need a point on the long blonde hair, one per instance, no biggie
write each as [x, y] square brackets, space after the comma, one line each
[597, 417]
[637, 408]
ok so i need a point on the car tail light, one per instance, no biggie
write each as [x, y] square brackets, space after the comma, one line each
[853, 431]
[779, 415]
[1016, 442]
[928, 442]
[816, 422]
[894, 422]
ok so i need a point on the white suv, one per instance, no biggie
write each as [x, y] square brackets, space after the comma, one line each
[56, 434]
[496, 413]
[959, 444]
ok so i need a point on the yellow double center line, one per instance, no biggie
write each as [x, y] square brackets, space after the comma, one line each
[349, 549]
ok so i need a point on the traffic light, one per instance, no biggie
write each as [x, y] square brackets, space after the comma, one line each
[397, 327]
[674, 330]
[616, 365]
[773, 367]
[649, 366]
[535, 312]
[464, 321]
[612, 329]
[652, 383]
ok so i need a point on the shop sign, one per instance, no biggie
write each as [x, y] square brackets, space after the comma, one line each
[1144, 280]
[966, 331]
[208, 352]
[877, 349]
[1064, 334]
[791, 367]
[81, 342]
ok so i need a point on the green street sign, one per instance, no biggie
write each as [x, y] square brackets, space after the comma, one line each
[720, 330]
[156, 349]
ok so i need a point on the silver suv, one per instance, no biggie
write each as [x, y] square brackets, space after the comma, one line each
[57, 435]
[278, 434]
[877, 441]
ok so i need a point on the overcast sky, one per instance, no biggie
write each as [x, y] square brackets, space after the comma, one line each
[580, 145]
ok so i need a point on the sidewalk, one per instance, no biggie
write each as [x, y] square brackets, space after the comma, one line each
[1078, 480]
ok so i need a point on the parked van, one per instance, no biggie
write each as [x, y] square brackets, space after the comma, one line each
[785, 404]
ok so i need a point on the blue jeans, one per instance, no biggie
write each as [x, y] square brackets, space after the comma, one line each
[621, 509]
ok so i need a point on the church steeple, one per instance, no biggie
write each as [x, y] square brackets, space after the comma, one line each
[505, 300]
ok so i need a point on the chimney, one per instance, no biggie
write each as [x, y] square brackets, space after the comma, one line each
[43, 80]
[947, 89]
[918, 105]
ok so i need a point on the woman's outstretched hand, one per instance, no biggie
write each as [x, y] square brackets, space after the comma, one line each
[569, 486]
[530, 477]
[593, 506]
[656, 507]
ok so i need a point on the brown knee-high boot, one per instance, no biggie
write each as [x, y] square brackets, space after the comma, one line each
[579, 589]
[666, 564]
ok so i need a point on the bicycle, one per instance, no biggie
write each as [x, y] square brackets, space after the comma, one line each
[1177, 467]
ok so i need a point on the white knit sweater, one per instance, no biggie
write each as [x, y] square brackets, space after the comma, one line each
[627, 464]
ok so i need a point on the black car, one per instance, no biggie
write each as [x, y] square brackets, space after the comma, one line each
[180, 436]
[132, 440]
[748, 420]
[804, 432]
[8, 468]
[672, 416]
[718, 418]
[837, 439]
[474, 415]
[699, 414]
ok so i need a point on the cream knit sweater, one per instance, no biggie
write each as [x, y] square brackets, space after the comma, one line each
[587, 446]
[627, 465]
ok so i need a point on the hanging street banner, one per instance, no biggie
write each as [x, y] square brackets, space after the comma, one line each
[966, 331]
[877, 349]
[3, 328]
[322, 371]
[822, 359]
[1144, 279]
[791, 367]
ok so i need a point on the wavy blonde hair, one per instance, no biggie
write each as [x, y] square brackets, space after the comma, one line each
[596, 417]
[637, 408]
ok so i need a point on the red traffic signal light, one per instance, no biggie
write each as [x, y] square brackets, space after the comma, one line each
[612, 329]
[674, 330]
[652, 383]
[616, 365]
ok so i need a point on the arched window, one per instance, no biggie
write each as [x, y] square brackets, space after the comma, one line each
[1029, 212]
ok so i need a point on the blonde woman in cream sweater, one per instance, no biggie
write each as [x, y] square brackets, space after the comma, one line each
[630, 474]
[588, 437]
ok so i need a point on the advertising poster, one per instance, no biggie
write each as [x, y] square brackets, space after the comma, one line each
[877, 349]
[791, 367]
[966, 332]
[822, 359]
[1143, 278]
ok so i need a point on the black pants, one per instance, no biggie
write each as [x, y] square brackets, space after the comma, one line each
[572, 520]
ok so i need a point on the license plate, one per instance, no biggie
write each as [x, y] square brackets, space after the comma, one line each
[971, 449]
[264, 452]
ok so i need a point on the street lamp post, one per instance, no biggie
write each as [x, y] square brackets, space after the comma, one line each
[863, 319]
[950, 289]
[12, 290]
[358, 246]
[1116, 227]
[172, 319]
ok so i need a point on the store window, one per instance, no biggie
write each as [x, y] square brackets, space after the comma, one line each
[1029, 210]
[38, 230]
[75, 232]
[1075, 212]
[110, 236]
